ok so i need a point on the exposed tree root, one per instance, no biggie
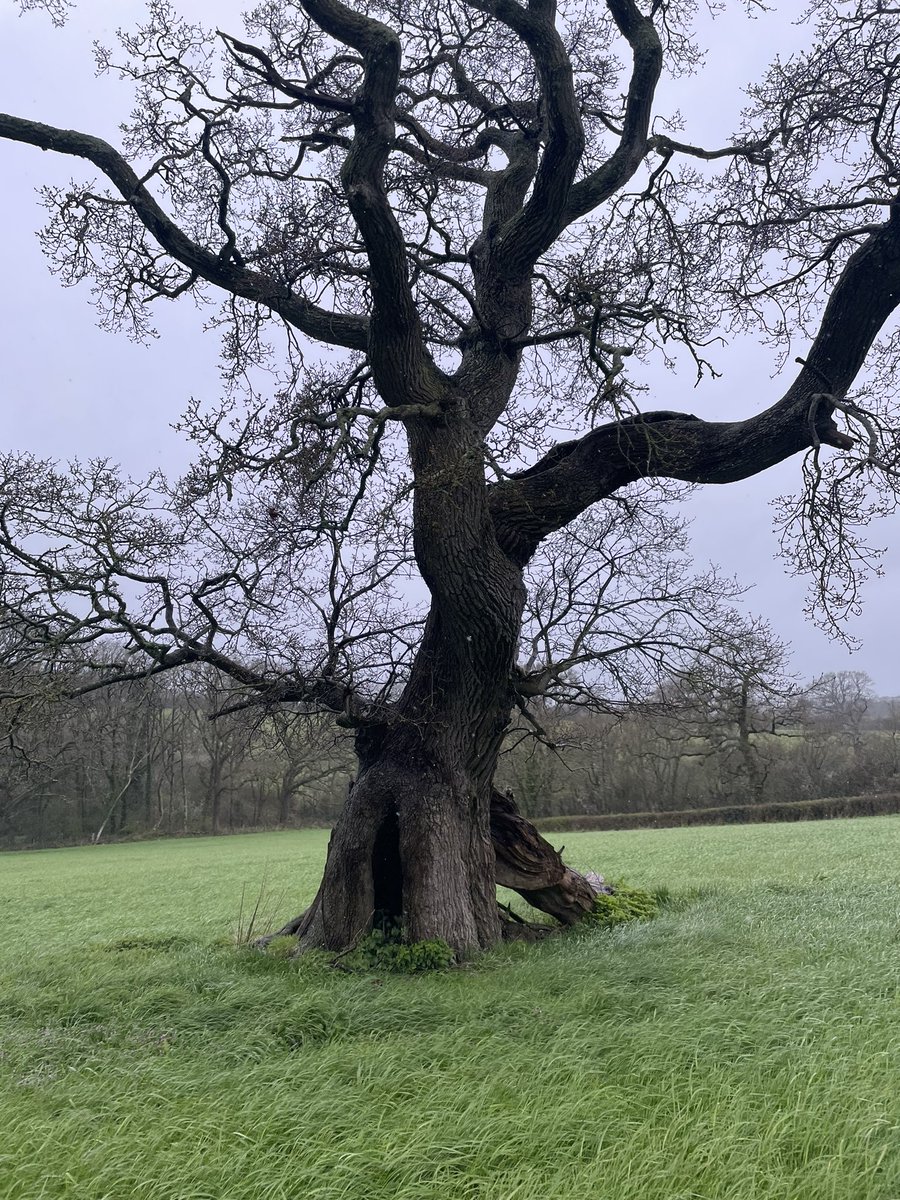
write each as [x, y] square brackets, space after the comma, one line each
[529, 865]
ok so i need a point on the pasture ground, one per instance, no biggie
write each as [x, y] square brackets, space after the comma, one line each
[745, 1045]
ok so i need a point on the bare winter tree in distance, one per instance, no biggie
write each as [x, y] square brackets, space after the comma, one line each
[433, 235]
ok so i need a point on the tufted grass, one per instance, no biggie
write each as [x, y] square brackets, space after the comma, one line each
[745, 1045]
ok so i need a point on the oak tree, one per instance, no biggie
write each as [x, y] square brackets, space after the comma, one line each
[456, 232]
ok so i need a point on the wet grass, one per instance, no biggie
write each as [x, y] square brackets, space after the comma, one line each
[745, 1045]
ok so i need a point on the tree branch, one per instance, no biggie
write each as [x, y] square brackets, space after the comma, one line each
[537, 224]
[333, 328]
[576, 474]
[647, 58]
[402, 366]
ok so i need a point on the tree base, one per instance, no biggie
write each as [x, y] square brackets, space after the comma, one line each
[525, 862]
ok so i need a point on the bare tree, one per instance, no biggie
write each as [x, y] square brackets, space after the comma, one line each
[299, 765]
[471, 207]
[836, 707]
[732, 703]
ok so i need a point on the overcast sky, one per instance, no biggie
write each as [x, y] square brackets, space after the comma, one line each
[70, 389]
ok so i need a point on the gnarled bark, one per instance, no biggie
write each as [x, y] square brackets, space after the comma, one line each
[409, 848]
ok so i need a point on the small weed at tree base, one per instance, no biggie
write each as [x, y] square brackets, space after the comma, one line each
[385, 950]
[623, 904]
[283, 946]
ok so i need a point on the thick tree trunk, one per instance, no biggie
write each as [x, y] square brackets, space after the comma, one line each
[410, 850]
[424, 838]
[412, 847]
[418, 847]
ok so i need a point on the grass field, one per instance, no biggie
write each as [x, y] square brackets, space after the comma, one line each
[744, 1045]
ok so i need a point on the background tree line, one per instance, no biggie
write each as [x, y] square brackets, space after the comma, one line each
[711, 745]
[152, 757]
[146, 758]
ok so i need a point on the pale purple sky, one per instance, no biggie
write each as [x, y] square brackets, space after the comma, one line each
[69, 389]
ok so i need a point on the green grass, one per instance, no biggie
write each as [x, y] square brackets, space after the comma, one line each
[745, 1045]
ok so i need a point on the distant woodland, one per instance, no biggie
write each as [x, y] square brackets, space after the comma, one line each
[166, 756]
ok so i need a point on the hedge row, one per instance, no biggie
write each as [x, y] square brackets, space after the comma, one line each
[736, 814]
